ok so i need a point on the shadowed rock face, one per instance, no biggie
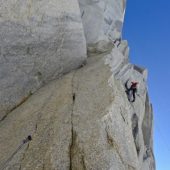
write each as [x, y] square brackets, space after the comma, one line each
[39, 41]
[102, 21]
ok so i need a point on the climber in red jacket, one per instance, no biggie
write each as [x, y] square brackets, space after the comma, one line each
[133, 89]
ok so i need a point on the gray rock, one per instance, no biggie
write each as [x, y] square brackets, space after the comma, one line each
[50, 131]
[39, 41]
[102, 21]
[82, 121]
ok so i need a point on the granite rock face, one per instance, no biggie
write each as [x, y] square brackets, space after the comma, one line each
[102, 21]
[83, 121]
[39, 41]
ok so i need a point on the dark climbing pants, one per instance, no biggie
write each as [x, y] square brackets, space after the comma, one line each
[133, 93]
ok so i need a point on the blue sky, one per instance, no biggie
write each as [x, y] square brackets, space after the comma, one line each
[147, 29]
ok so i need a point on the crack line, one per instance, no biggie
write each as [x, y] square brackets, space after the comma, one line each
[72, 111]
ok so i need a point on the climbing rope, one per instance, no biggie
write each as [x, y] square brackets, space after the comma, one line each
[26, 140]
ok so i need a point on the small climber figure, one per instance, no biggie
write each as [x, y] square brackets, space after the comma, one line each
[132, 90]
[29, 138]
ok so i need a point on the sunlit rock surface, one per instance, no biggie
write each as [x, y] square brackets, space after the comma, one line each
[102, 21]
[81, 120]
[39, 41]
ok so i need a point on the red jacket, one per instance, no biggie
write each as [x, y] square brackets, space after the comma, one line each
[134, 84]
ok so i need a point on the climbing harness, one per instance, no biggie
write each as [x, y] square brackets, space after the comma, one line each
[26, 140]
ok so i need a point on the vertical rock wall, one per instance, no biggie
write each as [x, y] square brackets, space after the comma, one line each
[82, 120]
[39, 41]
[102, 21]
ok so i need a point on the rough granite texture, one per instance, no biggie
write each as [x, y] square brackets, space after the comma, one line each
[42, 40]
[102, 21]
[39, 41]
[82, 120]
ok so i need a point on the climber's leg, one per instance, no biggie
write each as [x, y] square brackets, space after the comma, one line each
[133, 92]
[129, 94]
